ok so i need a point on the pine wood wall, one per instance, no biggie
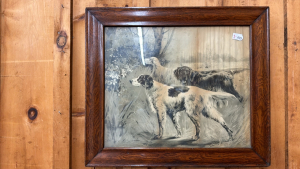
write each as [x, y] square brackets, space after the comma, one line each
[42, 67]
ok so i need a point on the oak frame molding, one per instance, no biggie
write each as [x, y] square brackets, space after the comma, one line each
[257, 18]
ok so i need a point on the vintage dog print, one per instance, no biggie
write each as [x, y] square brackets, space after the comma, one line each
[177, 87]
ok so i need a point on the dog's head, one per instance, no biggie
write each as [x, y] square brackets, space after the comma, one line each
[143, 80]
[185, 75]
[152, 61]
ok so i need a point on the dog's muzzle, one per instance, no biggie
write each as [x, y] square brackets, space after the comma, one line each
[134, 82]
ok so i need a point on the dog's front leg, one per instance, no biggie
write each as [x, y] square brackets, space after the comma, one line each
[174, 115]
[196, 120]
[161, 115]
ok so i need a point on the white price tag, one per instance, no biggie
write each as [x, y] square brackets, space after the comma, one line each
[237, 36]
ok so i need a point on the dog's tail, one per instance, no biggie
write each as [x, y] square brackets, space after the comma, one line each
[235, 71]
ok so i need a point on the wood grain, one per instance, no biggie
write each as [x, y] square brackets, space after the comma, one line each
[293, 84]
[204, 16]
[175, 157]
[78, 83]
[40, 74]
[179, 3]
[94, 73]
[260, 82]
[78, 153]
[258, 155]
[61, 84]
[26, 81]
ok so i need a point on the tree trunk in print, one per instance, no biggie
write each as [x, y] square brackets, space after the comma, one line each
[158, 51]
[158, 34]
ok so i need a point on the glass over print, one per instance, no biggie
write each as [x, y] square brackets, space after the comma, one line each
[177, 87]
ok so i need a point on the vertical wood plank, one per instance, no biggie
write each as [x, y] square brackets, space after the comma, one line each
[78, 84]
[78, 95]
[277, 66]
[61, 84]
[293, 34]
[27, 71]
[26, 138]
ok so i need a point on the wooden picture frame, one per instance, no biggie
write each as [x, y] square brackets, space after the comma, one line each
[257, 18]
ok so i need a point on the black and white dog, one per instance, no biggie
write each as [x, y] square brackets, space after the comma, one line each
[191, 99]
[208, 80]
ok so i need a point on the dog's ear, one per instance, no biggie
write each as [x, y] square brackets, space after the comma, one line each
[141, 79]
[176, 72]
[149, 82]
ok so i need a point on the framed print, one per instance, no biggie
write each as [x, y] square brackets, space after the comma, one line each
[177, 86]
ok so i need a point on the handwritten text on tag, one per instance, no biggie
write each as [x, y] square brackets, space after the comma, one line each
[237, 36]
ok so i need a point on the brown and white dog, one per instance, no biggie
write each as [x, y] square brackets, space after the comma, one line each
[208, 80]
[191, 99]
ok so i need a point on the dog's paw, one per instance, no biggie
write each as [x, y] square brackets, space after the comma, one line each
[178, 135]
[230, 135]
[195, 137]
[157, 137]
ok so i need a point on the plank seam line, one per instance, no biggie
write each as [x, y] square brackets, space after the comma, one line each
[286, 99]
[71, 79]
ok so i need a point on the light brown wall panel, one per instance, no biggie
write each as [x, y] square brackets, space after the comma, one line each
[293, 33]
[31, 76]
[26, 81]
[61, 84]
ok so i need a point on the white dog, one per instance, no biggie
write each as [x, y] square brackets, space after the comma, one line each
[191, 99]
[160, 73]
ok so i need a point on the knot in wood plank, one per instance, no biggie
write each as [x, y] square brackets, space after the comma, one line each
[61, 40]
[32, 113]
